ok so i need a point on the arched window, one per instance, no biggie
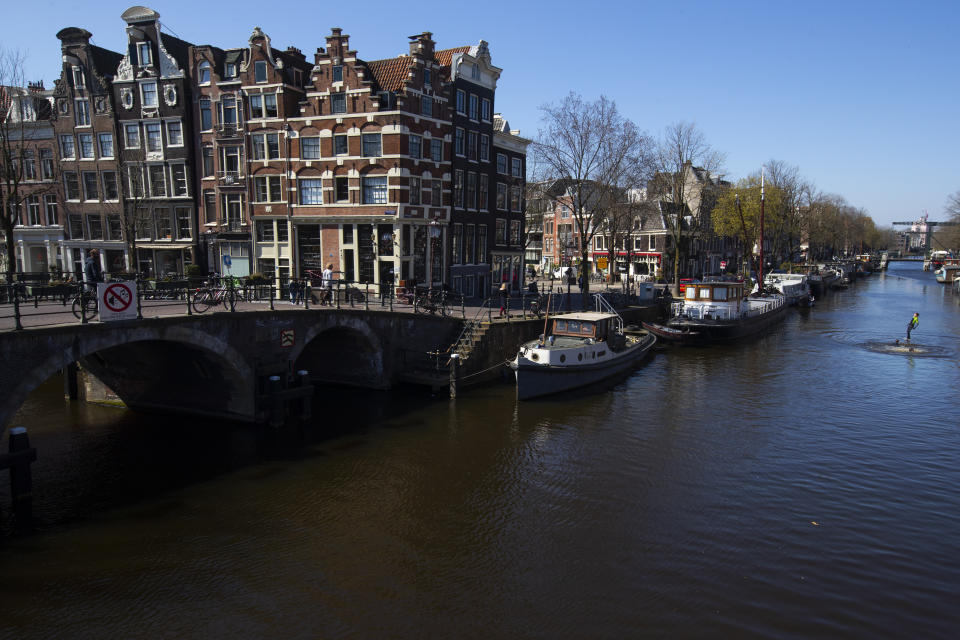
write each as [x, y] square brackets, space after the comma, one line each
[204, 72]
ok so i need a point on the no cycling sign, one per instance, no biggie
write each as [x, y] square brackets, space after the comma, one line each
[118, 300]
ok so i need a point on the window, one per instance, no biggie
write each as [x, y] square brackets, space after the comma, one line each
[161, 219]
[414, 190]
[501, 196]
[135, 178]
[183, 223]
[228, 110]
[481, 244]
[90, 191]
[72, 185]
[283, 234]
[426, 196]
[515, 233]
[436, 150]
[263, 105]
[207, 160]
[458, 188]
[310, 148]
[143, 53]
[336, 74]
[515, 198]
[501, 237]
[469, 257]
[472, 145]
[86, 145]
[485, 110]
[653, 242]
[371, 145]
[231, 160]
[266, 146]
[502, 163]
[33, 211]
[515, 162]
[158, 182]
[264, 230]
[267, 189]
[83, 113]
[46, 163]
[484, 147]
[260, 71]
[204, 72]
[154, 140]
[95, 226]
[50, 206]
[473, 107]
[471, 190]
[178, 173]
[174, 133]
[436, 191]
[78, 78]
[106, 145]
[110, 191]
[311, 190]
[426, 76]
[341, 189]
[426, 106]
[206, 117]
[149, 94]
[484, 189]
[209, 207]
[76, 227]
[456, 241]
[338, 103]
[142, 222]
[114, 227]
[67, 149]
[416, 146]
[375, 189]
[340, 145]
[461, 102]
[458, 141]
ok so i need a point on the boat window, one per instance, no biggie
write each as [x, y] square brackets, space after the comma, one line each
[720, 293]
[559, 325]
[691, 293]
[705, 293]
[586, 329]
[573, 326]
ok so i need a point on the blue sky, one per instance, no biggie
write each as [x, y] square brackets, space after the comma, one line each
[863, 97]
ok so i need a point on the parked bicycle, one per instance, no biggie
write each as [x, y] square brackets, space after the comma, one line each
[431, 302]
[206, 297]
[85, 306]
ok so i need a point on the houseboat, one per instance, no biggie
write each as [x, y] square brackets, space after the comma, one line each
[795, 288]
[579, 349]
[721, 311]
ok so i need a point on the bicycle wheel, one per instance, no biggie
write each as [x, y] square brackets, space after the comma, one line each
[84, 306]
[75, 307]
[202, 301]
[418, 305]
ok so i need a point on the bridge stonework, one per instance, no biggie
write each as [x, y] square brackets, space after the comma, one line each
[217, 365]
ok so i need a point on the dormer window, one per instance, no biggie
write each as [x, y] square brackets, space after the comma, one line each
[78, 77]
[230, 70]
[426, 76]
[337, 73]
[204, 72]
[260, 71]
[143, 53]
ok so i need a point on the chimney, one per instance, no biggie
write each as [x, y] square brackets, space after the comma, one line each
[422, 45]
[337, 43]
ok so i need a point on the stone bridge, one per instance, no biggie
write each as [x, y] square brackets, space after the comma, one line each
[219, 365]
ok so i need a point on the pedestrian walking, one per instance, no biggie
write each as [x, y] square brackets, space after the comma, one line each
[292, 290]
[327, 277]
[504, 292]
[92, 271]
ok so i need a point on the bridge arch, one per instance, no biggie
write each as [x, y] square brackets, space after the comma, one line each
[113, 357]
[345, 350]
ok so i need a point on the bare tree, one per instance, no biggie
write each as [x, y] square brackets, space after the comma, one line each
[681, 148]
[135, 217]
[587, 150]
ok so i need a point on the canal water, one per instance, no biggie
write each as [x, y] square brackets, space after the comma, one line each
[803, 484]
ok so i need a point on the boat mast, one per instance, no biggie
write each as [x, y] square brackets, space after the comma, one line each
[760, 267]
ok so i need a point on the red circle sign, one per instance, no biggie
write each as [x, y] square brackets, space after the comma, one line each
[117, 297]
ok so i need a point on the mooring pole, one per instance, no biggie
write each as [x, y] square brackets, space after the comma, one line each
[454, 361]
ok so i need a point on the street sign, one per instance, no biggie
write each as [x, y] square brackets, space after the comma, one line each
[601, 262]
[227, 261]
[117, 300]
[723, 264]
[287, 338]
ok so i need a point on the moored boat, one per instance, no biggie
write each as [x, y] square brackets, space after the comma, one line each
[578, 350]
[669, 334]
[721, 311]
[948, 271]
[795, 287]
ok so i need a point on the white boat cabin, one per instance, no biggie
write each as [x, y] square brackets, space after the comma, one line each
[722, 301]
[584, 325]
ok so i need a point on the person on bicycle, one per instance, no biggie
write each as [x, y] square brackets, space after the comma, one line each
[92, 271]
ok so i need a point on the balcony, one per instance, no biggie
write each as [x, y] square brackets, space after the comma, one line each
[228, 131]
[230, 178]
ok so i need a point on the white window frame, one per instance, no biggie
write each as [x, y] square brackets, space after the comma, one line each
[85, 142]
[100, 146]
[258, 66]
[51, 209]
[179, 126]
[184, 181]
[82, 112]
[144, 51]
[131, 143]
[143, 94]
[70, 142]
[313, 142]
[203, 72]
[315, 188]
[116, 185]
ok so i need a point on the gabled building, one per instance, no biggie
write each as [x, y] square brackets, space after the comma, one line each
[29, 178]
[88, 152]
[370, 162]
[472, 220]
[153, 99]
[510, 167]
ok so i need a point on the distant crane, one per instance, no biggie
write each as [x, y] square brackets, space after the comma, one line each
[928, 234]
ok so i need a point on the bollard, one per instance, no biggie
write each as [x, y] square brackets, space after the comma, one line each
[366, 300]
[271, 297]
[21, 486]
[306, 402]
[454, 361]
[307, 296]
[276, 402]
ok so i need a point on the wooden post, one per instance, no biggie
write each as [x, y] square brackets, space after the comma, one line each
[454, 361]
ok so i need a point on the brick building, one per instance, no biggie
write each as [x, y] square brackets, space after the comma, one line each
[506, 250]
